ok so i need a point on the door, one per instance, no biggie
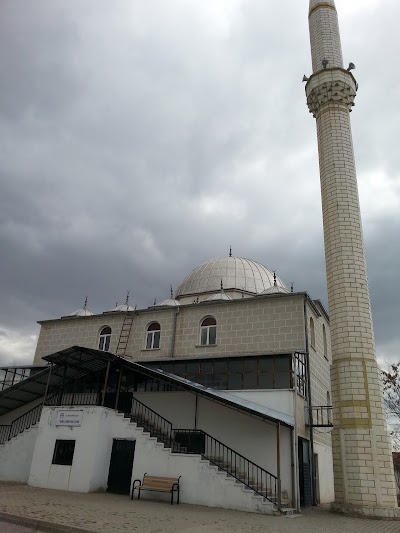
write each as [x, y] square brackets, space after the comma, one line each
[121, 464]
[305, 474]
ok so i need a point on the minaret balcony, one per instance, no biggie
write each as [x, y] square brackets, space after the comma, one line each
[331, 86]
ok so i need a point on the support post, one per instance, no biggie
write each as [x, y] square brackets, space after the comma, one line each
[118, 387]
[105, 384]
[47, 384]
[278, 463]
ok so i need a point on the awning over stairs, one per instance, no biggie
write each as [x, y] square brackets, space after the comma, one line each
[72, 363]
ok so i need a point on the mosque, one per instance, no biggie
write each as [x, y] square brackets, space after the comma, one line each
[244, 392]
[225, 384]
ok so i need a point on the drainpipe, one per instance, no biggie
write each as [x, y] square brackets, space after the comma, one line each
[278, 460]
[309, 405]
[295, 452]
[172, 354]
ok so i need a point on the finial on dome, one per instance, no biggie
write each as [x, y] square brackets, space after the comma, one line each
[275, 284]
[85, 304]
[155, 301]
[222, 285]
[230, 251]
[292, 287]
[127, 299]
[172, 292]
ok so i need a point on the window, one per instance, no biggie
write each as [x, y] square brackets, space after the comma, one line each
[105, 337]
[63, 452]
[328, 398]
[208, 331]
[325, 341]
[153, 336]
[312, 332]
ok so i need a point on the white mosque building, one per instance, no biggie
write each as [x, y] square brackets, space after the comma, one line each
[225, 385]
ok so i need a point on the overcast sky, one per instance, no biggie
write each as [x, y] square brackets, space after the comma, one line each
[140, 138]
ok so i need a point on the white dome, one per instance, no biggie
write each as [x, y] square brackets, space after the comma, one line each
[171, 302]
[235, 272]
[81, 312]
[121, 308]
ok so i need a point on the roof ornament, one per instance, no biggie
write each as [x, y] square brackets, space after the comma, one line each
[222, 286]
[85, 304]
[155, 301]
[127, 299]
[172, 292]
[275, 284]
[292, 287]
[230, 251]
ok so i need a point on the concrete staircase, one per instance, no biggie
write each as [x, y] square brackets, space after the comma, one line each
[266, 502]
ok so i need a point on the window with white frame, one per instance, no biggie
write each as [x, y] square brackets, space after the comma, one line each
[104, 339]
[153, 336]
[208, 331]
[312, 332]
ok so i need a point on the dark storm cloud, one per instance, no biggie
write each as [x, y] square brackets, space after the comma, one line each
[139, 139]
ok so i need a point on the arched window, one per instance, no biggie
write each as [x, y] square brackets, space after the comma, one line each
[208, 331]
[312, 332]
[328, 399]
[104, 340]
[153, 336]
[325, 341]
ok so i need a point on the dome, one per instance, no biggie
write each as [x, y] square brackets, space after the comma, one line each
[121, 308]
[81, 312]
[234, 272]
[171, 302]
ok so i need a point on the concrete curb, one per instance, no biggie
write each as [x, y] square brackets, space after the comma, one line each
[40, 525]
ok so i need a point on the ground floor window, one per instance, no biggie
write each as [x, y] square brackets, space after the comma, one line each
[63, 452]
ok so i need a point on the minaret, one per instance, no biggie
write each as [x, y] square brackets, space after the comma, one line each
[363, 466]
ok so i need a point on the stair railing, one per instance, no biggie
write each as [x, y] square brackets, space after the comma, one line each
[225, 458]
[4, 433]
[151, 421]
[20, 424]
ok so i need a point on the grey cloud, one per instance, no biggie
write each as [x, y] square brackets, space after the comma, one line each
[138, 141]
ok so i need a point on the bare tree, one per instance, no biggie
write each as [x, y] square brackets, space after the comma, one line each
[391, 390]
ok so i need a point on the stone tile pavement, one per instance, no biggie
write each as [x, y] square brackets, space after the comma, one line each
[109, 513]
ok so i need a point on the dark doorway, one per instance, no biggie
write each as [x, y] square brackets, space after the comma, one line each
[305, 474]
[121, 463]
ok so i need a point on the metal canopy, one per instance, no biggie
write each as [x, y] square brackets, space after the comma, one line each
[72, 363]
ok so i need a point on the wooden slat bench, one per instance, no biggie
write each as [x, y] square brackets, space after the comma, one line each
[157, 484]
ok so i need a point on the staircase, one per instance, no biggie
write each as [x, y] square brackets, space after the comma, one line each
[243, 472]
[20, 424]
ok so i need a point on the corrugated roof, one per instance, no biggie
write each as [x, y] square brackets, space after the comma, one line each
[77, 361]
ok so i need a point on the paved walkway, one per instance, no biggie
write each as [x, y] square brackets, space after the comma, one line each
[108, 513]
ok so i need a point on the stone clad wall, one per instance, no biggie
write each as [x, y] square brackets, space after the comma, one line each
[253, 325]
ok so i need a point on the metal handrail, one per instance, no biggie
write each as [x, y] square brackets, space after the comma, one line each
[4, 433]
[233, 463]
[321, 416]
[20, 424]
[155, 424]
[25, 421]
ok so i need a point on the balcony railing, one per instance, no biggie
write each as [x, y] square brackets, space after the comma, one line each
[321, 417]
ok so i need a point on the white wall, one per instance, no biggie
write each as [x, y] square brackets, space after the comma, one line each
[16, 456]
[254, 439]
[279, 400]
[201, 483]
[325, 471]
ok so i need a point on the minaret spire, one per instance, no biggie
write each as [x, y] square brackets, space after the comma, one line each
[362, 460]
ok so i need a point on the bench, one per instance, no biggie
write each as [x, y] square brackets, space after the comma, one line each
[157, 484]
